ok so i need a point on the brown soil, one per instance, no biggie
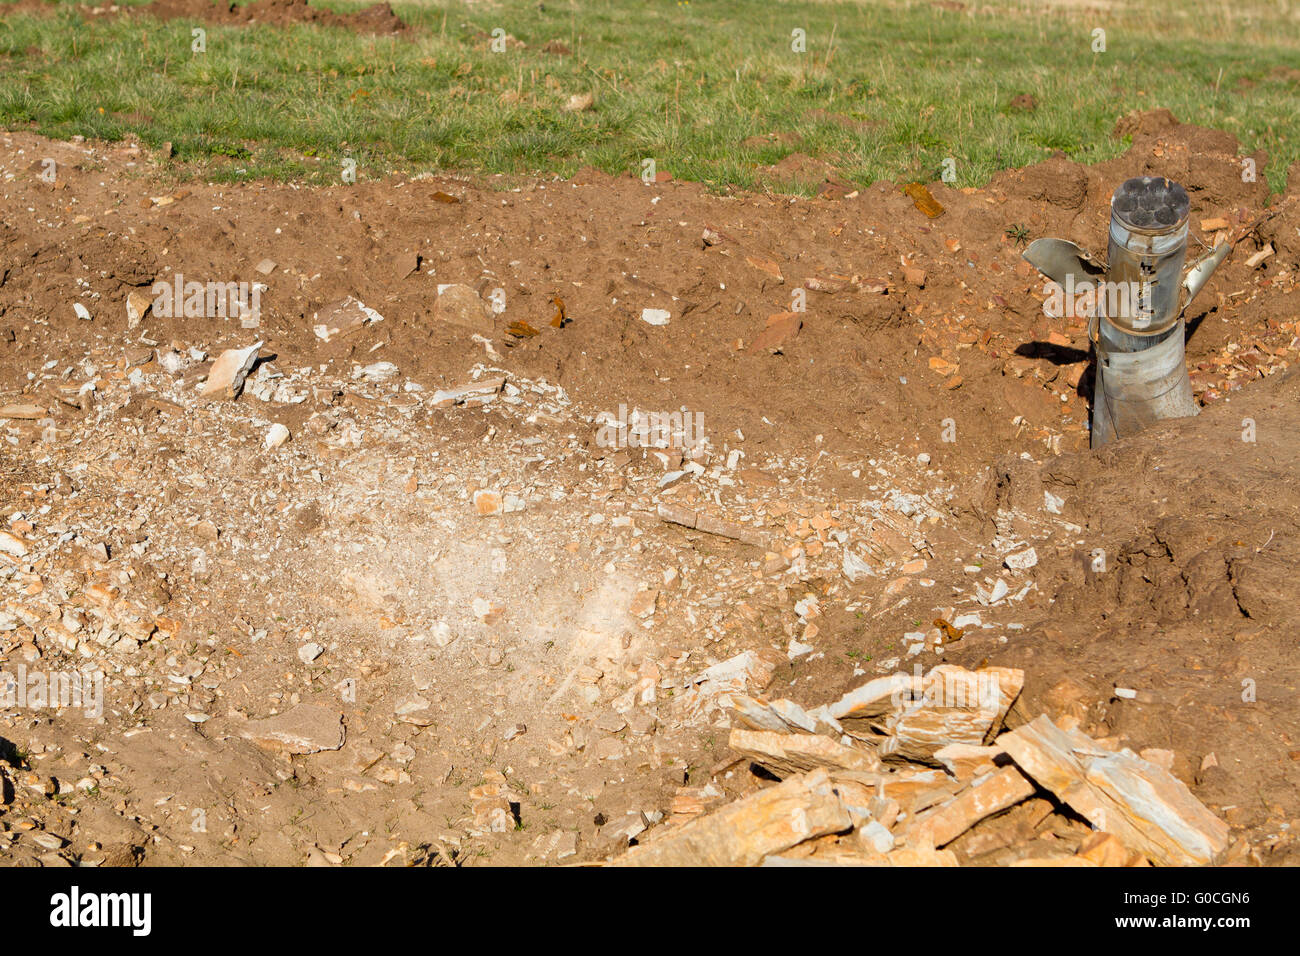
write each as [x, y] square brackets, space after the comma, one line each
[444, 632]
[378, 18]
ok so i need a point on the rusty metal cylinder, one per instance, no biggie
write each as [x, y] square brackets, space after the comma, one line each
[1148, 244]
[1141, 365]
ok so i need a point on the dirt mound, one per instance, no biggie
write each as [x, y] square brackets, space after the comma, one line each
[378, 18]
[1057, 181]
[1144, 123]
[1206, 161]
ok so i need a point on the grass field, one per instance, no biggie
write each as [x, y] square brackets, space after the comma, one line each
[883, 91]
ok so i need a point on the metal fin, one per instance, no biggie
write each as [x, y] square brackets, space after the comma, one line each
[1059, 258]
[1200, 273]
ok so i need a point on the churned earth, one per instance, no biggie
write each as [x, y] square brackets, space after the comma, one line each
[458, 614]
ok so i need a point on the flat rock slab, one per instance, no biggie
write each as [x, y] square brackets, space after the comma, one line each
[460, 305]
[25, 412]
[476, 393]
[306, 729]
[967, 761]
[780, 716]
[863, 711]
[747, 669]
[1146, 807]
[743, 833]
[12, 544]
[342, 318]
[995, 793]
[914, 790]
[921, 715]
[956, 706]
[785, 754]
[903, 856]
[675, 514]
[228, 372]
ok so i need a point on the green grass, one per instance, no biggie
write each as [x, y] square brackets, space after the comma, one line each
[902, 87]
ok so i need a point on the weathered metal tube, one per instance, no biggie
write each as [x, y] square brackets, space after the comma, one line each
[1140, 380]
[1141, 365]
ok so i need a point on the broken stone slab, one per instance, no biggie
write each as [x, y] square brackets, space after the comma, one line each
[1146, 807]
[714, 237]
[956, 706]
[787, 754]
[138, 304]
[989, 795]
[12, 545]
[918, 856]
[766, 265]
[343, 317]
[1105, 849]
[633, 824]
[310, 651]
[854, 566]
[862, 712]
[405, 263]
[460, 305]
[922, 798]
[861, 799]
[727, 529]
[990, 598]
[744, 832]
[967, 761]
[226, 377]
[376, 372]
[559, 844]
[893, 538]
[875, 836]
[835, 858]
[781, 716]
[475, 393]
[643, 603]
[23, 412]
[1021, 560]
[745, 670]
[674, 514]
[492, 811]
[1015, 826]
[912, 790]
[306, 729]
